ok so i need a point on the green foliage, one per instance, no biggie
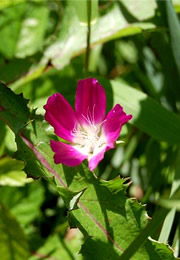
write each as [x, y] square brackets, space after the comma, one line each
[148, 115]
[50, 211]
[27, 23]
[15, 116]
[24, 202]
[56, 248]
[140, 9]
[103, 206]
[11, 172]
[171, 19]
[72, 41]
[13, 243]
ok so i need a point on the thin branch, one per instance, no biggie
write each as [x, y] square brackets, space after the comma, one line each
[88, 36]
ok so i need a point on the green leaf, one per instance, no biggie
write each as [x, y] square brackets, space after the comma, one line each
[28, 208]
[173, 24]
[71, 198]
[9, 140]
[110, 221]
[176, 4]
[24, 202]
[6, 3]
[161, 250]
[23, 27]
[14, 69]
[172, 202]
[167, 226]
[34, 149]
[81, 10]
[10, 22]
[103, 208]
[11, 172]
[72, 37]
[32, 31]
[140, 9]
[13, 109]
[13, 243]
[2, 136]
[148, 115]
[58, 248]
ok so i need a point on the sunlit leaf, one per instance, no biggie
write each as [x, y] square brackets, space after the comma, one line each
[81, 8]
[23, 27]
[13, 243]
[72, 37]
[6, 3]
[10, 23]
[32, 31]
[11, 172]
[57, 248]
[140, 9]
[148, 115]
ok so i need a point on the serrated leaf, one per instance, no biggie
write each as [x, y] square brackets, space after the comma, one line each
[163, 251]
[148, 115]
[13, 109]
[71, 198]
[110, 221]
[34, 149]
[13, 243]
[104, 212]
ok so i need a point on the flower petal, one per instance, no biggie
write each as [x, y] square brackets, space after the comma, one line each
[90, 105]
[66, 154]
[95, 159]
[114, 121]
[61, 116]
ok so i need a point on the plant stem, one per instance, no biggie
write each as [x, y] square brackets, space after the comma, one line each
[88, 36]
[151, 228]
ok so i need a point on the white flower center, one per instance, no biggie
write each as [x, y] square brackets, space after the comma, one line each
[89, 139]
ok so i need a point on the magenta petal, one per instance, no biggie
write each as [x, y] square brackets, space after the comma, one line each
[93, 162]
[90, 105]
[61, 116]
[66, 154]
[114, 121]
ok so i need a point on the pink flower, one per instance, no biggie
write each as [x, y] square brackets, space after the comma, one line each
[89, 132]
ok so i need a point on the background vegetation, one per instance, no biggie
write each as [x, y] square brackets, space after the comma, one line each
[135, 54]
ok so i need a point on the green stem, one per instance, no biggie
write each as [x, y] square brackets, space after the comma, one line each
[151, 228]
[167, 225]
[88, 36]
